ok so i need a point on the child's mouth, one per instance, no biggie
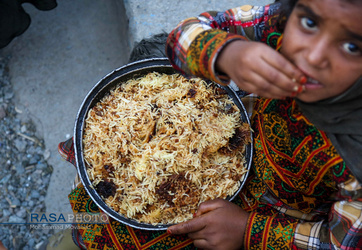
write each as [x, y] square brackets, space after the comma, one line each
[311, 80]
[312, 84]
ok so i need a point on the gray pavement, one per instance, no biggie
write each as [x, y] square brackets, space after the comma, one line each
[151, 17]
[67, 50]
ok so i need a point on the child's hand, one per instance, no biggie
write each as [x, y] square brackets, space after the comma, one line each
[259, 69]
[218, 224]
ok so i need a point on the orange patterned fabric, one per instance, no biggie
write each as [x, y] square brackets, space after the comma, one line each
[214, 41]
[116, 235]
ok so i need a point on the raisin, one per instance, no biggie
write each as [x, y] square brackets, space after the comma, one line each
[106, 189]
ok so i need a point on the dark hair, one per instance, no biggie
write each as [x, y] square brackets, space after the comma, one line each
[287, 7]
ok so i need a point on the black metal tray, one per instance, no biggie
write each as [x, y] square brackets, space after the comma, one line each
[122, 74]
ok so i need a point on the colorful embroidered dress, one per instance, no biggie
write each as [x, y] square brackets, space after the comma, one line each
[300, 193]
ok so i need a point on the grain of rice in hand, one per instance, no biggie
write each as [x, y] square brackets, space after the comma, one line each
[158, 146]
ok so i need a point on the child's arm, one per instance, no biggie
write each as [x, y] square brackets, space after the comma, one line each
[224, 45]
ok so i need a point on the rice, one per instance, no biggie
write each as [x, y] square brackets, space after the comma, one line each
[158, 146]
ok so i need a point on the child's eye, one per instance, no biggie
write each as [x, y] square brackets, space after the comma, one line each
[351, 48]
[308, 23]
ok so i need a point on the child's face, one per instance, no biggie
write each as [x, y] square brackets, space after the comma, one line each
[323, 38]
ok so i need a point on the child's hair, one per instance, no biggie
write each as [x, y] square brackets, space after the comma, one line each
[288, 5]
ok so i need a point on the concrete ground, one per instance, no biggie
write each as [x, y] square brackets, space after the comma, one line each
[67, 50]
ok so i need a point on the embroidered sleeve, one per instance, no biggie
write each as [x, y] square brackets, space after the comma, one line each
[269, 232]
[194, 44]
[343, 230]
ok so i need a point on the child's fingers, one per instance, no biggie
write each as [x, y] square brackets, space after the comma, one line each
[187, 227]
[208, 206]
[260, 69]
[258, 84]
[197, 223]
[286, 75]
[270, 82]
[268, 87]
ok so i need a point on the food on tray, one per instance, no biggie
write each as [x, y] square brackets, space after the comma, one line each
[158, 146]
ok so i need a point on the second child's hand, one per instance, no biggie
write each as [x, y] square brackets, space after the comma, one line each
[259, 69]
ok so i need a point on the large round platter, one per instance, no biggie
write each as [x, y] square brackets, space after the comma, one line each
[131, 71]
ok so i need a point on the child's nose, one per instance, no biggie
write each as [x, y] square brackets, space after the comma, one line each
[317, 54]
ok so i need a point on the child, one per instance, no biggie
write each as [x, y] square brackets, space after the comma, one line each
[304, 59]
